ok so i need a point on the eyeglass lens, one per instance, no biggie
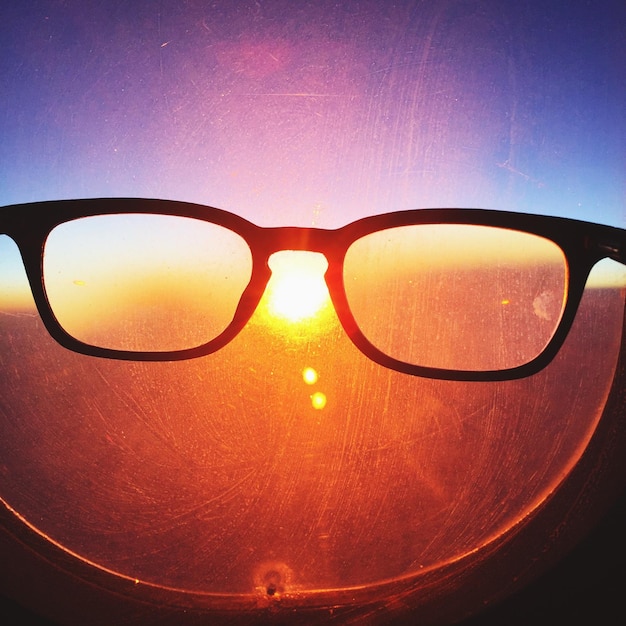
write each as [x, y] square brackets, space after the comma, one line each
[139, 282]
[459, 297]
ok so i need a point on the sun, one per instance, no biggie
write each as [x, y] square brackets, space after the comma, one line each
[296, 291]
[296, 304]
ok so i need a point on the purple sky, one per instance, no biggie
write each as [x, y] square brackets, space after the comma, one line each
[317, 112]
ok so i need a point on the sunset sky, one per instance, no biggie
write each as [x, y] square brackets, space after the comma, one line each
[317, 112]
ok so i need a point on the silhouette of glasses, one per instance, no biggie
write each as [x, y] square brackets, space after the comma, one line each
[456, 294]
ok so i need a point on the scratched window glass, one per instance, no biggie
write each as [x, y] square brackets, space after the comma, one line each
[288, 463]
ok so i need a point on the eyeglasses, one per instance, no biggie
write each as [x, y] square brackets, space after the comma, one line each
[457, 294]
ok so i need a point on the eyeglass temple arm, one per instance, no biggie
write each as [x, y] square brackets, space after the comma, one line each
[614, 248]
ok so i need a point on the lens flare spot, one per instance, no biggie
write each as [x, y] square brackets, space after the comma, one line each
[310, 376]
[79, 283]
[318, 400]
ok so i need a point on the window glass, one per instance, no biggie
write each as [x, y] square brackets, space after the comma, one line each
[288, 460]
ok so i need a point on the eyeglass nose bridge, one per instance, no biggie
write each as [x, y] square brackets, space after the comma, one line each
[270, 240]
[267, 241]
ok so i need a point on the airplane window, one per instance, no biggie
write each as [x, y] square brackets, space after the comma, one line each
[352, 426]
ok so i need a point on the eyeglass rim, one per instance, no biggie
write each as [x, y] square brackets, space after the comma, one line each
[583, 245]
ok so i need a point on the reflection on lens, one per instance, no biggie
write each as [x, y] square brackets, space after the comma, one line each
[460, 297]
[142, 282]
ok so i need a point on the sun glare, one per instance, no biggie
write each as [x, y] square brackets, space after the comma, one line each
[297, 291]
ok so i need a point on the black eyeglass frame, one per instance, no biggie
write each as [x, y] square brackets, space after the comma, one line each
[583, 244]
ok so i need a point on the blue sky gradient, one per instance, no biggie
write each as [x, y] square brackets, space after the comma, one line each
[318, 112]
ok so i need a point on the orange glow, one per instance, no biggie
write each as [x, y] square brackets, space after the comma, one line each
[144, 312]
[16, 298]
